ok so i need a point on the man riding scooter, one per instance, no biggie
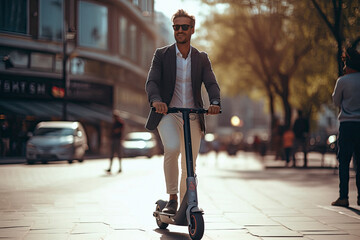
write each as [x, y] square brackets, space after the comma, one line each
[174, 80]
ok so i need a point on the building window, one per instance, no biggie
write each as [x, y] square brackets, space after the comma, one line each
[146, 6]
[93, 25]
[13, 16]
[42, 61]
[149, 6]
[136, 2]
[18, 58]
[123, 23]
[51, 19]
[133, 42]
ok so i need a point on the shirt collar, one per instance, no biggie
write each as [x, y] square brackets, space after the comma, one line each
[178, 53]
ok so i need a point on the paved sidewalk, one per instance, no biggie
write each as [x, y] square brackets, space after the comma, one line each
[244, 197]
[280, 203]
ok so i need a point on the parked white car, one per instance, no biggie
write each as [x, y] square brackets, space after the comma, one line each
[140, 144]
[57, 141]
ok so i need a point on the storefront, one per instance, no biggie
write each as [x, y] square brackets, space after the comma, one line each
[25, 101]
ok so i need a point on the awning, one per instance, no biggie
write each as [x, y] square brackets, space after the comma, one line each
[88, 112]
[41, 109]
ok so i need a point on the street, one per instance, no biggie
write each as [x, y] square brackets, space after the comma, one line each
[241, 198]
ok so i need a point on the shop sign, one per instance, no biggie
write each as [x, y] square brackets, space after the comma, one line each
[91, 92]
[29, 88]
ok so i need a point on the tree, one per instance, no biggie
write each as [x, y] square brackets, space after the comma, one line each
[342, 17]
[268, 40]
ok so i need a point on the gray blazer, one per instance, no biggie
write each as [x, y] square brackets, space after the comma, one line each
[161, 79]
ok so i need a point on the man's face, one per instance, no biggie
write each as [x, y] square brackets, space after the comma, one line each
[183, 36]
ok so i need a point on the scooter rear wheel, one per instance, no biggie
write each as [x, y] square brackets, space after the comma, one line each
[196, 227]
[160, 224]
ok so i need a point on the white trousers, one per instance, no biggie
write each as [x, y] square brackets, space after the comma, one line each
[172, 136]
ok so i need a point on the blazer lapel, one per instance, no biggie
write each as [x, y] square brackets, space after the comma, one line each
[172, 61]
[194, 70]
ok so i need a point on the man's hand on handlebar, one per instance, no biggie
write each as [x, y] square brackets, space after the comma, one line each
[213, 109]
[160, 107]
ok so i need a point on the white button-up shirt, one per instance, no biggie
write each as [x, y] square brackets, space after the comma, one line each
[183, 95]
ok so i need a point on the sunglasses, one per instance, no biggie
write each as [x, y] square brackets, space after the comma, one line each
[184, 27]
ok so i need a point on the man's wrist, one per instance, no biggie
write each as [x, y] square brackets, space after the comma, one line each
[215, 102]
[155, 100]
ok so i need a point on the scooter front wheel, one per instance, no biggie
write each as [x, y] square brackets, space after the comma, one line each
[196, 227]
[160, 224]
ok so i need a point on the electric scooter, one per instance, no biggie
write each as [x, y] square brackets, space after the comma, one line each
[189, 214]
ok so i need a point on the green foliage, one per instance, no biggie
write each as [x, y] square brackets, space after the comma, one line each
[280, 48]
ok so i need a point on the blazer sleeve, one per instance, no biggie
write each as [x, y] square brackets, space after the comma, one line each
[209, 79]
[153, 82]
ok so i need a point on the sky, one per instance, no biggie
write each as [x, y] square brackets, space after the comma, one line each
[169, 7]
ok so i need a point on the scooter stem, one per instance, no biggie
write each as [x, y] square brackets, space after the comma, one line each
[188, 148]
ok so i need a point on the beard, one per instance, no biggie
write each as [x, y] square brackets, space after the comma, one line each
[181, 41]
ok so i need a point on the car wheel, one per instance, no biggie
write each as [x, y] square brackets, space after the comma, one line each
[70, 161]
[44, 161]
[30, 162]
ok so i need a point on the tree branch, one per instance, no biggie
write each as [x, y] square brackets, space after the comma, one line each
[324, 17]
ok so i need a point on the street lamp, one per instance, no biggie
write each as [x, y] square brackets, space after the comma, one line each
[68, 34]
[236, 121]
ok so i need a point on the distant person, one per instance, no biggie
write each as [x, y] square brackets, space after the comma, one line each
[301, 131]
[277, 131]
[256, 144]
[216, 145]
[346, 95]
[116, 134]
[288, 143]
[5, 134]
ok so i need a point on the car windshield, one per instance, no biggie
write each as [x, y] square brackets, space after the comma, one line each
[53, 131]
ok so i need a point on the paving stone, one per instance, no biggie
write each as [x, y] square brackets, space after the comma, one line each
[223, 226]
[319, 232]
[86, 228]
[13, 232]
[15, 224]
[230, 235]
[286, 219]
[127, 234]
[79, 202]
[285, 238]
[272, 231]
[56, 230]
[308, 226]
[250, 219]
[87, 236]
[44, 236]
[334, 237]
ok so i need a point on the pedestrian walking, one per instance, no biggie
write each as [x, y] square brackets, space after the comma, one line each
[175, 78]
[301, 131]
[116, 135]
[288, 142]
[276, 134]
[346, 96]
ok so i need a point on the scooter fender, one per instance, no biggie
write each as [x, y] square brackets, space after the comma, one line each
[161, 204]
[192, 209]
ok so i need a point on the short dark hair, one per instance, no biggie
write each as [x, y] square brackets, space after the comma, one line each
[183, 13]
[352, 56]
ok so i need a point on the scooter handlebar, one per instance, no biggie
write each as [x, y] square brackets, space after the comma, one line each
[181, 110]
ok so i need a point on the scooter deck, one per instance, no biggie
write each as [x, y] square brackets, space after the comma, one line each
[157, 213]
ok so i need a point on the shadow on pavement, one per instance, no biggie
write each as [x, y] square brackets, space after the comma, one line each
[167, 235]
[310, 177]
[357, 211]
